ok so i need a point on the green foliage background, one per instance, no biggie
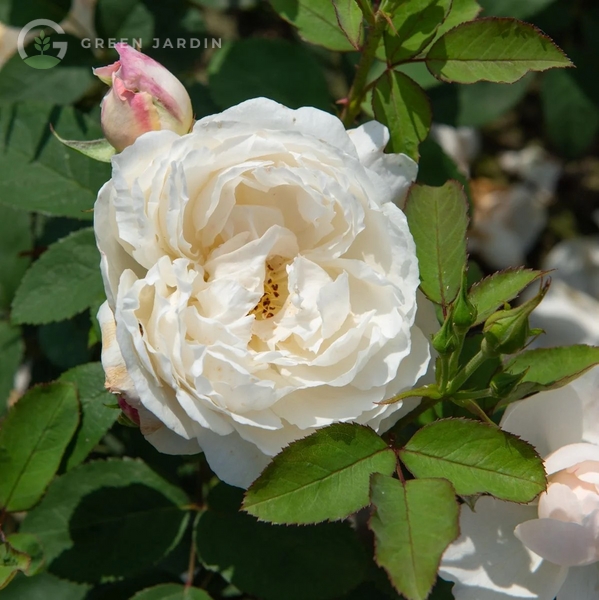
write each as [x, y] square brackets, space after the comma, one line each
[90, 510]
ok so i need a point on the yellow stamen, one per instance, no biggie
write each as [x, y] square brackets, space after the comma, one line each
[275, 289]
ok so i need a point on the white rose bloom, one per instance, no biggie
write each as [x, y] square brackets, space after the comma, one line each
[549, 548]
[261, 282]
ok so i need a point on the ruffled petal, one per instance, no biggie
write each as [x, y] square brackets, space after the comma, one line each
[397, 171]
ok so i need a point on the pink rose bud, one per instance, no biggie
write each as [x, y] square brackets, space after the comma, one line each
[144, 96]
[130, 412]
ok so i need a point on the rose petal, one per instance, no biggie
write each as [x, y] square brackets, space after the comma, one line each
[564, 544]
[570, 455]
[236, 461]
[397, 171]
[488, 562]
[560, 502]
[548, 421]
[268, 114]
[569, 317]
[582, 583]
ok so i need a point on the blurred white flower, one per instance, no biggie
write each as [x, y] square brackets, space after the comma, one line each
[533, 165]
[8, 42]
[569, 314]
[462, 144]
[509, 218]
[261, 282]
[576, 262]
[545, 549]
[80, 19]
[507, 222]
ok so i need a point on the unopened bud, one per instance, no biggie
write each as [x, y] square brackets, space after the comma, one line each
[508, 331]
[463, 313]
[144, 96]
[130, 415]
[445, 341]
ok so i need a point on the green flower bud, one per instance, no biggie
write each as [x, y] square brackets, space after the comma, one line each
[445, 341]
[508, 331]
[463, 313]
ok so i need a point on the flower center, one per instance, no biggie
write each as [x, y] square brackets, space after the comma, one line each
[275, 289]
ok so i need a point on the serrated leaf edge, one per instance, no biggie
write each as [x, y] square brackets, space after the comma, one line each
[541, 34]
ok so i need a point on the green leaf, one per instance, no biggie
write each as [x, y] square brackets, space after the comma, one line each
[438, 220]
[44, 587]
[436, 167]
[416, 23]
[498, 50]
[124, 19]
[477, 458]
[65, 344]
[324, 476]
[12, 349]
[64, 281]
[413, 523]
[312, 561]
[418, 72]
[492, 292]
[483, 102]
[171, 591]
[571, 116]
[461, 11]
[15, 244]
[316, 22]
[101, 150]
[227, 4]
[402, 105]
[37, 47]
[350, 19]
[11, 562]
[19, 14]
[96, 417]
[33, 439]
[550, 368]
[40, 174]
[514, 8]
[64, 84]
[30, 545]
[96, 519]
[261, 67]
